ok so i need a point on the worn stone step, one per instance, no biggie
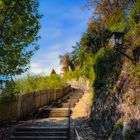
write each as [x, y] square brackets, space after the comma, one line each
[72, 100]
[54, 112]
[74, 97]
[56, 133]
[41, 129]
[39, 138]
[64, 105]
[55, 115]
[55, 109]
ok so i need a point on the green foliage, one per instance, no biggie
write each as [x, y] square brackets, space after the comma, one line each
[65, 62]
[19, 24]
[85, 71]
[117, 23]
[134, 14]
[87, 68]
[118, 125]
[107, 66]
[135, 102]
[136, 70]
[32, 83]
[134, 25]
[111, 14]
[69, 75]
[95, 38]
[9, 88]
[130, 135]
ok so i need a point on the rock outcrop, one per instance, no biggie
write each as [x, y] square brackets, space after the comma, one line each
[116, 114]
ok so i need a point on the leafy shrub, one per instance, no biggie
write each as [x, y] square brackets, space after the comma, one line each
[32, 83]
[130, 135]
[72, 74]
[118, 125]
[136, 70]
[87, 69]
[107, 66]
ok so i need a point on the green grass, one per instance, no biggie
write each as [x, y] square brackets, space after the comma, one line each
[27, 84]
[32, 83]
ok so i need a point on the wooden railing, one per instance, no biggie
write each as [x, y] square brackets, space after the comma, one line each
[29, 103]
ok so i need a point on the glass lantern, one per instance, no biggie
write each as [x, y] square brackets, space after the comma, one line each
[117, 39]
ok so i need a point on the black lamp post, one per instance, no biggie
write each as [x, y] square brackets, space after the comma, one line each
[117, 43]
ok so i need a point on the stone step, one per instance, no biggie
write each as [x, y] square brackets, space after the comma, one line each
[41, 129]
[66, 105]
[39, 138]
[54, 112]
[57, 133]
[71, 100]
[34, 133]
[54, 115]
[74, 97]
[56, 109]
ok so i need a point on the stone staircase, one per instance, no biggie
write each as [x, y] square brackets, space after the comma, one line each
[27, 133]
[71, 99]
[54, 112]
[59, 109]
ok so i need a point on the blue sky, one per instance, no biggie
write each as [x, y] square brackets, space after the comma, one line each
[62, 25]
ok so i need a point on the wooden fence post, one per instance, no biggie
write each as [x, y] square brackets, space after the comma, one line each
[19, 107]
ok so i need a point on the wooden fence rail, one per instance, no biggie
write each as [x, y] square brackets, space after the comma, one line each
[29, 103]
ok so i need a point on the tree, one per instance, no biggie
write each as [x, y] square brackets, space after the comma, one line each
[111, 12]
[19, 24]
[66, 63]
[95, 38]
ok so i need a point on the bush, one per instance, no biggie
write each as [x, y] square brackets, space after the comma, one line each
[136, 70]
[72, 74]
[130, 135]
[107, 66]
[32, 83]
[85, 70]
[118, 125]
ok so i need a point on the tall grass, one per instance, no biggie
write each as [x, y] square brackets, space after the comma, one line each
[31, 83]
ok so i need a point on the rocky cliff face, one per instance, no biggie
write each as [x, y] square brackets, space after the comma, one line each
[116, 114]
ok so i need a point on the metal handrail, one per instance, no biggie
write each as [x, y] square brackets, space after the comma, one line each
[69, 120]
[76, 135]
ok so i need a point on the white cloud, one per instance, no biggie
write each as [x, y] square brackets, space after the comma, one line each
[58, 35]
[45, 63]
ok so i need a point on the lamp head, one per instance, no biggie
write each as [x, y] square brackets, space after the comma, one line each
[117, 39]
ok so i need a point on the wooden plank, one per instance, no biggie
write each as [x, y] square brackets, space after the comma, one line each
[28, 103]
